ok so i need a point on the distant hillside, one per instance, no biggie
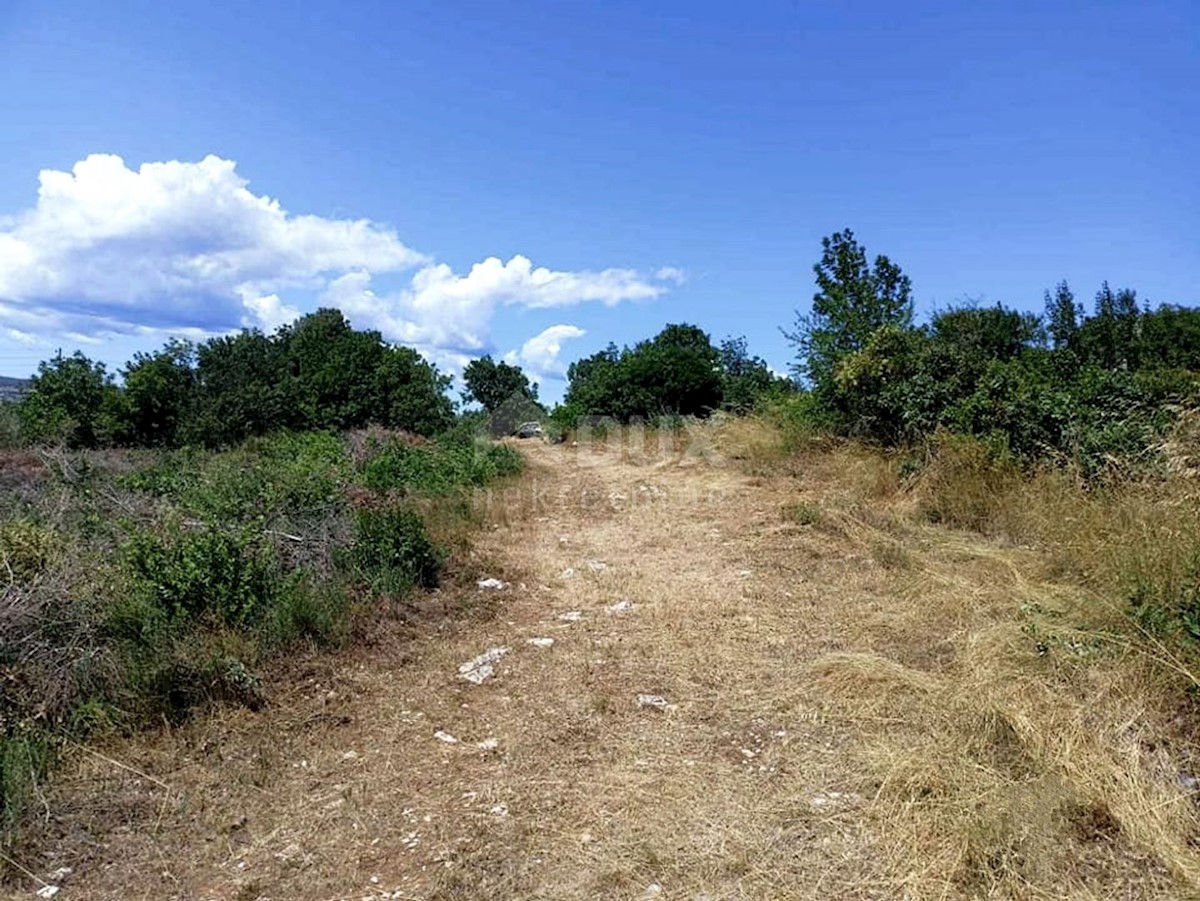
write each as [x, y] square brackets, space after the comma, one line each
[12, 389]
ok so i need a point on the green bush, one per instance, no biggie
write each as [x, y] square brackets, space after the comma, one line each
[1171, 605]
[207, 574]
[72, 400]
[392, 550]
[801, 514]
[11, 434]
[678, 371]
[27, 549]
[305, 610]
[287, 474]
[438, 468]
[25, 758]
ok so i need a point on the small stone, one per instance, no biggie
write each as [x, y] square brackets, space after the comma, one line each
[445, 737]
[490, 584]
[540, 642]
[656, 701]
[481, 668]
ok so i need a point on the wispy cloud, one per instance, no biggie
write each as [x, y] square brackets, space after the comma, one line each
[540, 355]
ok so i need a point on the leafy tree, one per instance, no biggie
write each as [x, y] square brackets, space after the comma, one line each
[343, 378]
[1109, 338]
[244, 388]
[880, 391]
[1169, 337]
[854, 299]
[595, 385]
[159, 392]
[745, 378]
[491, 384]
[1063, 318]
[411, 393]
[678, 372]
[334, 370]
[73, 400]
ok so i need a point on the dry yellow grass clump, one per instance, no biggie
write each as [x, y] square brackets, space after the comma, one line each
[770, 677]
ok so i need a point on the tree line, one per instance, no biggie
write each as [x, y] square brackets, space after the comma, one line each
[1098, 389]
[320, 374]
[316, 374]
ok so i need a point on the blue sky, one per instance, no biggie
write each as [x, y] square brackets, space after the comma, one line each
[621, 165]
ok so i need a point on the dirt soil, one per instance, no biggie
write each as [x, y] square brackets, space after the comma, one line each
[762, 683]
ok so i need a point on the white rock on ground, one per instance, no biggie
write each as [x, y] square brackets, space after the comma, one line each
[490, 584]
[445, 737]
[622, 606]
[482, 667]
[656, 701]
[540, 642]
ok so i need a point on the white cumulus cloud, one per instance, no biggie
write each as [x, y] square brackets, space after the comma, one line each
[187, 247]
[450, 314]
[540, 354]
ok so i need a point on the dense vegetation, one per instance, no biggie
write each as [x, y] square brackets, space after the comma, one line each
[161, 539]
[317, 373]
[1096, 391]
[677, 373]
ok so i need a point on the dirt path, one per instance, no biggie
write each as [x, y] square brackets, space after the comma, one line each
[744, 698]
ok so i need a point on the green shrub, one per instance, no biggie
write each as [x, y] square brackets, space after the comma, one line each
[307, 611]
[800, 417]
[439, 468]
[208, 574]
[73, 401]
[11, 434]
[184, 575]
[801, 514]
[25, 757]
[392, 551]
[27, 549]
[287, 474]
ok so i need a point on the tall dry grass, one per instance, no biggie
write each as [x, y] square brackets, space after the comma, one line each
[1133, 544]
[1031, 663]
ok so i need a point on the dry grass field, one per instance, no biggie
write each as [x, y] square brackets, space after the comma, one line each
[768, 679]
